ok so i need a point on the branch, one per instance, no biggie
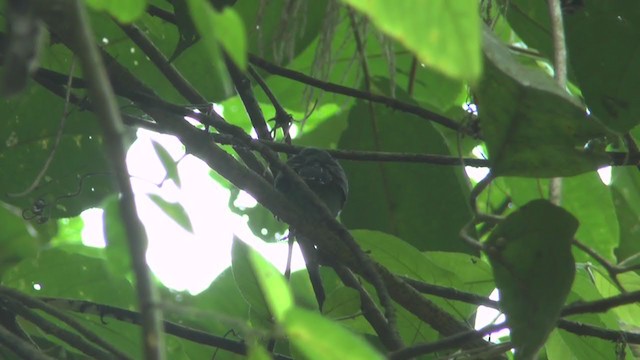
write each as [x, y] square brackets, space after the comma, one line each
[67, 336]
[451, 293]
[594, 331]
[560, 74]
[82, 42]
[20, 347]
[245, 91]
[387, 334]
[37, 304]
[343, 90]
[132, 317]
[450, 342]
[601, 305]
[162, 63]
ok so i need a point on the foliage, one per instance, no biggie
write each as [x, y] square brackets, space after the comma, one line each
[409, 90]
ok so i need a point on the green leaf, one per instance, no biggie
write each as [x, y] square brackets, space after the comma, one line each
[403, 259]
[532, 127]
[125, 11]
[318, 338]
[234, 38]
[530, 247]
[264, 288]
[383, 196]
[170, 166]
[204, 17]
[17, 242]
[117, 249]
[174, 211]
[77, 177]
[443, 34]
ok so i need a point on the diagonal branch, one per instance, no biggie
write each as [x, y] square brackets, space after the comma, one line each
[81, 41]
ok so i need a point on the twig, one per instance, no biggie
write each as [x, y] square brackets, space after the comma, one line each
[132, 317]
[451, 293]
[389, 338]
[63, 120]
[162, 63]
[385, 299]
[454, 341]
[283, 119]
[560, 74]
[594, 331]
[20, 347]
[343, 90]
[243, 87]
[601, 305]
[37, 304]
[67, 336]
[611, 269]
[109, 117]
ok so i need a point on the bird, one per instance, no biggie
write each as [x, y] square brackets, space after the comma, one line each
[328, 180]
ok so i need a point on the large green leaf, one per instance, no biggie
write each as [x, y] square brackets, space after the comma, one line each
[77, 177]
[264, 288]
[444, 34]
[16, 241]
[532, 127]
[398, 256]
[531, 246]
[401, 199]
[319, 338]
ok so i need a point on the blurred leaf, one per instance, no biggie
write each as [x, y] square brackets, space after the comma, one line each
[170, 165]
[254, 277]
[625, 188]
[399, 198]
[64, 274]
[531, 127]
[174, 211]
[529, 247]
[117, 249]
[444, 34]
[16, 241]
[125, 11]
[318, 338]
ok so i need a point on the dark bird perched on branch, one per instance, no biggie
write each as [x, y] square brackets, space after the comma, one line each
[325, 177]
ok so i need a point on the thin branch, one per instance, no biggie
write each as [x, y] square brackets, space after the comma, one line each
[343, 90]
[560, 74]
[37, 304]
[451, 293]
[602, 305]
[594, 331]
[283, 119]
[162, 63]
[52, 153]
[385, 299]
[451, 342]
[109, 117]
[611, 269]
[245, 91]
[67, 336]
[132, 317]
[20, 347]
[389, 338]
